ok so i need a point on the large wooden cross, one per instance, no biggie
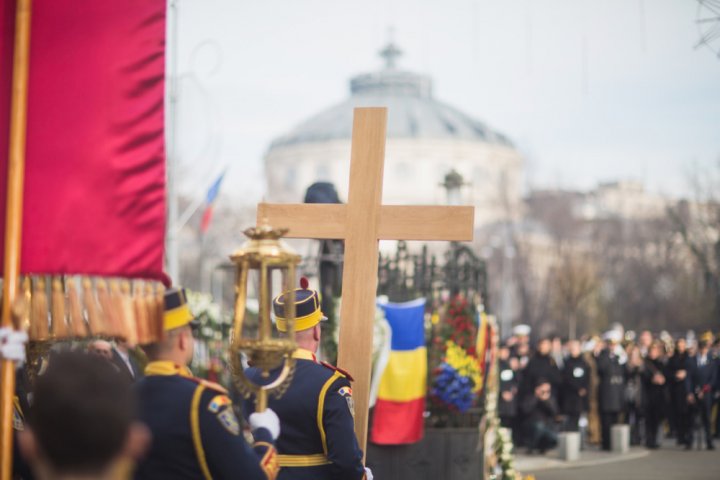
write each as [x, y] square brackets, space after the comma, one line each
[361, 223]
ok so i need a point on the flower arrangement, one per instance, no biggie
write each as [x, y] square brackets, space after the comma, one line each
[457, 376]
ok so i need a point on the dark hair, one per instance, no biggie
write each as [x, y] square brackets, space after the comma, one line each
[82, 410]
[541, 381]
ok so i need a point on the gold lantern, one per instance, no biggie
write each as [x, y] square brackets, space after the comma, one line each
[265, 253]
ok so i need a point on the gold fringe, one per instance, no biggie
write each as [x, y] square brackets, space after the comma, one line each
[56, 307]
[131, 321]
[106, 306]
[59, 327]
[77, 322]
[39, 314]
[141, 314]
[96, 322]
[159, 312]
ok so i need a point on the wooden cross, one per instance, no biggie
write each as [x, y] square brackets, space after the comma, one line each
[361, 223]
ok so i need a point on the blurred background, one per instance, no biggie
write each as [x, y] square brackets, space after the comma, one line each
[586, 134]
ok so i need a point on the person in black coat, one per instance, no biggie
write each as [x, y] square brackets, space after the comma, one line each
[123, 359]
[507, 403]
[676, 374]
[540, 365]
[611, 389]
[539, 410]
[654, 394]
[575, 386]
[701, 378]
[634, 406]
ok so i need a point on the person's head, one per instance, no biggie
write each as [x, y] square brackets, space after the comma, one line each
[645, 339]
[681, 345]
[655, 351]
[544, 346]
[574, 348]
[703, 346]
[81, 423]
[308, 315]
[100, 348]
[504, 352]
[542, 387]
[178, 343]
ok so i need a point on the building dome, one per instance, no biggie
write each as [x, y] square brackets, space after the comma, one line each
[412, 110]
[426, 139]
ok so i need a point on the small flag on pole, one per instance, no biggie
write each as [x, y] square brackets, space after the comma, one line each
[209, 202]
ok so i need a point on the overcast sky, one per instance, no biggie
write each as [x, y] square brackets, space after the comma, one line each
[588, 90]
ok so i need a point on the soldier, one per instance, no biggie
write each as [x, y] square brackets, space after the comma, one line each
[701, 378]
[194, 428]
[316, 412]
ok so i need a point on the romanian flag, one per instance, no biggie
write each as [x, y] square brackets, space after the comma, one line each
[398, 417]
[210, 202]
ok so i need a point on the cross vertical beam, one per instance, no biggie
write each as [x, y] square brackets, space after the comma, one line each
[361, 256]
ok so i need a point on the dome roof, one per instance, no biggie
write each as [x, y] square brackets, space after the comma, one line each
[412, 110]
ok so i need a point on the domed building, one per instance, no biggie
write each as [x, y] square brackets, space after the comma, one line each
[426, 140]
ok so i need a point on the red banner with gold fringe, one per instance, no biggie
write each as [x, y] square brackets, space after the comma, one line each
[94, 190]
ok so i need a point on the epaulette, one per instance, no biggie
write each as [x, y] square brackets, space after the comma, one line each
[339, 370]
[210, 385]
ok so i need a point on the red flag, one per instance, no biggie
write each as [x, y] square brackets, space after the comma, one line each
[94, 194]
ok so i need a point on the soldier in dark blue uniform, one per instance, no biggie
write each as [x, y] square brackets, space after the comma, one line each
[701, 378]
[194, 428]
[316, 412]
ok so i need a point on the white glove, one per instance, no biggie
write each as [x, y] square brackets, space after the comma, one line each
[12, 344]
[267, 419]
[368, 474]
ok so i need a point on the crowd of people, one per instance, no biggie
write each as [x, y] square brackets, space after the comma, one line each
[662, 387]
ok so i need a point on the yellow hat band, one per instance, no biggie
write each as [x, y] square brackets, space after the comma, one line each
[177, 317]
[301, 323]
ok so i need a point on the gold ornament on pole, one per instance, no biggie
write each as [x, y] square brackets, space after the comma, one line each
[265, 253]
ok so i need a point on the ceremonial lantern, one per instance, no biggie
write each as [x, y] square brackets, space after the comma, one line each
[265, 254]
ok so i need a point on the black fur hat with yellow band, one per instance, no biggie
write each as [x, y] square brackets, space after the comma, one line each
[307, 308]
[177, 313]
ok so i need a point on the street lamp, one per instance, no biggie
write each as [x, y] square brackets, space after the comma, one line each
[453, 184]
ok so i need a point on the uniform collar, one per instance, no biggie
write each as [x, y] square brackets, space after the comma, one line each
[164, 367]
[303, 354]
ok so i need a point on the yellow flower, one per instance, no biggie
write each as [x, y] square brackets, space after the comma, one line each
[465, 364]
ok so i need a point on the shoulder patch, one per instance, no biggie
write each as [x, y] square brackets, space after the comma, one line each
[346, 393]
[218, 402]
[337, 369]
[228, 420]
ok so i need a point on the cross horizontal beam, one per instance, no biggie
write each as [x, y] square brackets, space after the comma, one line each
[397, 222]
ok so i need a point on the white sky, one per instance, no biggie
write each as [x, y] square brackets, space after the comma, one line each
[644, 104]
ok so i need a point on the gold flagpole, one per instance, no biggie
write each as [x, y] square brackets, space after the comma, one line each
[13, 218]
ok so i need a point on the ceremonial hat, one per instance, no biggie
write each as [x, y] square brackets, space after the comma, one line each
[307, 308]
[177, 313]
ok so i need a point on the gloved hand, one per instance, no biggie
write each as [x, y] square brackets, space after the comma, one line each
[267, 419]
[368, 474]
[12, 344]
